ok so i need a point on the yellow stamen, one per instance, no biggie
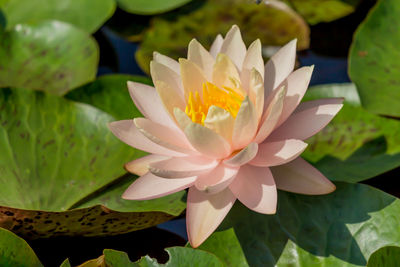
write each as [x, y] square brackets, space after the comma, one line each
[225, 98]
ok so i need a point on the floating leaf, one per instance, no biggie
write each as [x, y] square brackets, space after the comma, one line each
[178, 257]
[356, 145]
[340, 229]
[51, 56]
[15, 252]
[374, 62]
[86, 14]
[385, 257]
[145, 7]
[57, 154]
[272, 24]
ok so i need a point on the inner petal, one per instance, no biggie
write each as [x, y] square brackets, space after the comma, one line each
[226, 98]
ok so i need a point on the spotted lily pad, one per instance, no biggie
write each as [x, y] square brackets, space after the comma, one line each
[85, 14]
[340, 229]
[50, 56]
[357, 144]
[145, 7]
[15, 252]
[374, 62]
[58, 155]
[385, 257]
[272, 24]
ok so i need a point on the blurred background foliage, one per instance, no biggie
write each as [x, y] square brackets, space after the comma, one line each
[63, 72]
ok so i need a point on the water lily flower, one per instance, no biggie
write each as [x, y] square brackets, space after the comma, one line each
[227, 127]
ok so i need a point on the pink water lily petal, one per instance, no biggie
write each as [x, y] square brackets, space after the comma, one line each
[162, 73]
[307, 120]
[182, 167]
[150, 186]
[301, 177]
[256, 189]
[277, 153]
[181, 118]
[216, 45]
[245, 126]
[149, 103]
[205, 212]
[244, 156]
[164, 136]
[225, 74]
[201, 57]
[296, 85]
[220, 121]
[192, 76]
[271, 115]
[141, 166]
[207, 142]
[217, 180]
[127, 132]
[279, 67]
[170, 98]
[252, 60]
[234, 47]
[167, 61]
[256, 92]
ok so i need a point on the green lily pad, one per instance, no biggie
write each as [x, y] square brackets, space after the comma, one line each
[88, 15]
[316, 11]
[385, 257]
[110, 94]
[30, 59]
[58, 154]
[271, 24]
[374, 62]
[178, 257]
[145, 7]
[356, 145]
[340, 229]
[15, 252]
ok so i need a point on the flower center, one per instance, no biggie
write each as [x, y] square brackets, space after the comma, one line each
[225, 98]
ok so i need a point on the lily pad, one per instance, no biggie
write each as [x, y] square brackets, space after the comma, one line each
[50, 56]
[145, 7]
[374, 62]
[88, 15]
[178, 257]
[57, 154]
[272, 24]
[385, 257]
[356, 145]
[340, 229]
[15, 252]
[316, 11]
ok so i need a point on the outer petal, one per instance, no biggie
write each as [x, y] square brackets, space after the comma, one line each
[220, 121]
[225, 74]
[245, 125]
[255, 188]
[271, 115]
[277, 153]
[150, 186]
[216, 180]
[205, 212]
[234, 46]
[296, 85]
[141, 166]
[252, 60]
[127, 132]
[279, 67]
[149, 103]
[167, 61]
[216, 45]
[164, 136]
[182, 167]
[207, 141]
[299, 176]
[307, 120]
[244, 156]
[160, 72]
[192, 76]
[199, 55]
